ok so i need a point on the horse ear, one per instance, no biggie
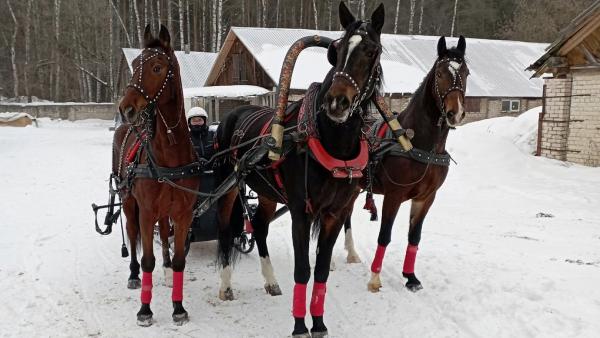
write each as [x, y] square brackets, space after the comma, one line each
[164, 37]
[346, 17]
[462, 45]
[441, 47]
[148, 37]
[377, 18]
[332, 53]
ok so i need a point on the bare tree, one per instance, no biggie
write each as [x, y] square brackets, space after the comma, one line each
[146, 13]
[412, 16]
[181, 25]
[13, 53]
[110, 52]
[396, 18]
[315, 12]
[170, 18]
[276, 15]
[122, 23]
[219, 23]
[301, 12]
[264, 13]
[137, 23]
[27, 47]
[421, 16]
[187, 23]
[158, 13]
[361, 4]
[329, 16]
[454, 17]
[57, 39]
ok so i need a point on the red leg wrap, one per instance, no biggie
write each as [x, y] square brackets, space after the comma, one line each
[409, 259]
[146, 287]
[248, 226]
[299, 303]
[177, 293]
[378, 260]
[317, 302]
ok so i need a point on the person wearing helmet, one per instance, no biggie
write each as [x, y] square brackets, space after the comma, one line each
[202, 138]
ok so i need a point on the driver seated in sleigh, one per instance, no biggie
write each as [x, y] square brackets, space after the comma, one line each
[202, 136]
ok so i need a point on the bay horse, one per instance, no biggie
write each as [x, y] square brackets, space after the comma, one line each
[149, 152]
[328, 124]
[436, 107]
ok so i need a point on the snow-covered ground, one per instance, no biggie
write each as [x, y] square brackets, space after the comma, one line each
[490, 266]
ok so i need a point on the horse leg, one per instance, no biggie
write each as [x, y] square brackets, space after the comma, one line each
[330, 229]
[348, 240]
[226, 203]
[181, 228]
[164, 230]
[301, 240]
[133, 234]
[418, 211]
[260, 223]
[144, 316]
[391, 204]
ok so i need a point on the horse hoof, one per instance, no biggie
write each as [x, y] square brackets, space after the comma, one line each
[273, 289]
[144, 320]
[375, 283]
[414, 287]
[353, 259]
[180, 318]
[134, 283]
[301, 335]
[226, 294]
[318, 334]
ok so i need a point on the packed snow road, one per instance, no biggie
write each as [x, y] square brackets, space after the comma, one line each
[511, 248]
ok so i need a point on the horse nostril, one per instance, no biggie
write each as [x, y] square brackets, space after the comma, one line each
[129, 112]
[343, 101]
[450, 114]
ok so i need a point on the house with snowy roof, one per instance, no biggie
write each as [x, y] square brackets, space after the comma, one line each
[498, 84]
[569, 124]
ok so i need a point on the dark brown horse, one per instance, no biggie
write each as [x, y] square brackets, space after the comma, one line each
[435, 108]
[155, 140]
[315, 195]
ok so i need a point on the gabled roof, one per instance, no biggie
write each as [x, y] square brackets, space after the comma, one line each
[585, 23]
[496, 66]
[194, 66]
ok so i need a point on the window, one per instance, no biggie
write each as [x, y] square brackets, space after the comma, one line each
[511, 106]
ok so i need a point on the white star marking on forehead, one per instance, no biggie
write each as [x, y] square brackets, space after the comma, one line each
[453, 67]
[352, 43]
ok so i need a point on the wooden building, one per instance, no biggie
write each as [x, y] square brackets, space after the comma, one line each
[498, 85]
[569, 125]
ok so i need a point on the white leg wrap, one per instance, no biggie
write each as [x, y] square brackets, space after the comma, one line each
[349, 246]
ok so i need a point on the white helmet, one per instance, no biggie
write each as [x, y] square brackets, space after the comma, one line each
[197, 112]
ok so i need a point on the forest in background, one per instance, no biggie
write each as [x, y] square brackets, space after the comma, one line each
[69, 50]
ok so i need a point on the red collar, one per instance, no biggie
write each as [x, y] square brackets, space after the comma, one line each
[339, 168]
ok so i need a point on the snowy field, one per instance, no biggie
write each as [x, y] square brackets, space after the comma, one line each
[490, 266]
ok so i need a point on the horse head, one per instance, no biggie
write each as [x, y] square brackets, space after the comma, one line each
[450, 83]
[153, 72]
[355, 58]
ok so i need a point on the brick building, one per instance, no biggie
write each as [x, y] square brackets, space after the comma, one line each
[569, 125]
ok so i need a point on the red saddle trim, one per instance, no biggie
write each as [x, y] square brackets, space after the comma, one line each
[340, 168]
[382, 130]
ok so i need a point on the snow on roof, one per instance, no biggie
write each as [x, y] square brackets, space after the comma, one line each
[194, 66]
[497, 66]
[225, 91]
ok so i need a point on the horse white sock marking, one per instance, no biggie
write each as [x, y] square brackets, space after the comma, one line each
[226, 278]
[267, 270]
[168, 277]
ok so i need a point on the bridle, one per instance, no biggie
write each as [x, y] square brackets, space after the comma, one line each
[457, 85]
[148, 112]
[374, 75]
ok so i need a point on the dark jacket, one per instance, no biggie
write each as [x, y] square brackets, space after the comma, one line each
[203, 141]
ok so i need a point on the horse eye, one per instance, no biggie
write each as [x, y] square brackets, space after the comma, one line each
[370, 54]
[438, 74]
[156, 69]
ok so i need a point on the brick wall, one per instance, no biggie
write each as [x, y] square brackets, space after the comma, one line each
[583, 141]
[555, 125]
